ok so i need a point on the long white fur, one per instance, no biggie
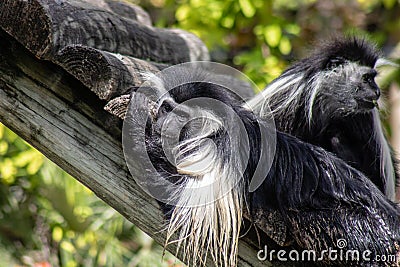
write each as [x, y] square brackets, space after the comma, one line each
[208, 206]
[279, 86]
[208, 213]
[385, 62]
[387, 167]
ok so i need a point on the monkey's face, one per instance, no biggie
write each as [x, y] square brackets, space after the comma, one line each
[347, 89]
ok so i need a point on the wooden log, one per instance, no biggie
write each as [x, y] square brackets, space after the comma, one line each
[124, 9]
[118, 106]
[59, 116]
[111, 75]
[46, 27]
[108, 75]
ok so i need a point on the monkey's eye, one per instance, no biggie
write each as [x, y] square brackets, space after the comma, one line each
[335, 62]
[369, 77]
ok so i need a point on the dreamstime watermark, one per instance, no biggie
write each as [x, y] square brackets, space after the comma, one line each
[340, 253]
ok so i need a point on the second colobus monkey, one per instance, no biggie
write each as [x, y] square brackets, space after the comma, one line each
[329, 99]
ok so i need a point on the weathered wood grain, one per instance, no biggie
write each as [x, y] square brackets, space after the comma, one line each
[124, 9]
[118, 106]
[111, 75]
[64, 120]
[108, 75]
[46, 27]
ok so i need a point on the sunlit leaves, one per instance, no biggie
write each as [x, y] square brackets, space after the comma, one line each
[250, 28]
[292, 5]
[31, 159]
[57, 234]
[247, 8]
[292, 29]
[17, 158]
[3, 147]
[285, 47]
[272, 34]
[82, 230]
[228, 21]
[8, 171]
[182, 13]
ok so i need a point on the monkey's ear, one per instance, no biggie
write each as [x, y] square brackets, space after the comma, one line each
[384, 62]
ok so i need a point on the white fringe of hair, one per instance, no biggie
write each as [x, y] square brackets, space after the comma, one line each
[294, 89]
[276, 88]
[208, 205]
[387, 168]
[208, 212]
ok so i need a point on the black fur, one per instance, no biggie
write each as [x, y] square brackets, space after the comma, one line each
[316, 197]
[335, 52]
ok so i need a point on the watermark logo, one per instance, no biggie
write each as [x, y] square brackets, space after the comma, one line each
[338, 254]
[154, 108]
[341, 243]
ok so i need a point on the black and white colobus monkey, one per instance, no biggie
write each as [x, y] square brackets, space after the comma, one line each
[330, 100]
[315, 196]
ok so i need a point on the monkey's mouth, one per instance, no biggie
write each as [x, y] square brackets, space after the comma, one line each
[368, 104]
[376, 104]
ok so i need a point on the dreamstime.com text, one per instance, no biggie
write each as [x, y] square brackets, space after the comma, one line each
[338, 254]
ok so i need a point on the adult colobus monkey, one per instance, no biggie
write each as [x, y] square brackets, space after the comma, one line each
[192, 155]
[330, 99]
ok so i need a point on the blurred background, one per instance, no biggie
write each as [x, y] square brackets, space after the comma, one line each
[49, 219]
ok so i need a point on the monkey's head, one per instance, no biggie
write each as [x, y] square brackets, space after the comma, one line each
[342, 77]
[338, 79]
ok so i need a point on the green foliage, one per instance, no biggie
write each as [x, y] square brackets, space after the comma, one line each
[19, 166]
[261, 37]
[247, 34]
[49, 218]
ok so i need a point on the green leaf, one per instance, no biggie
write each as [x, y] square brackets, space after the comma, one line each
[285, 46]
[228, 22]
[273, 35]
[182, 13]
[8, 171]
[57, 234]
[247, 8]
[293, 29]
[3, 148]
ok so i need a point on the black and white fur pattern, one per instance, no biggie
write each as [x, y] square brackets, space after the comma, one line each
[207, 213]
[315, 195]
[330, 99]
